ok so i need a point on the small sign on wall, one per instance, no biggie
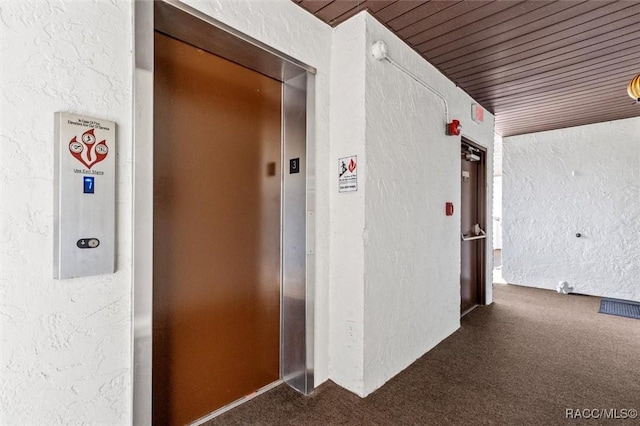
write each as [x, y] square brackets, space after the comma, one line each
[348, 174]
[477, 113]
[84, 196]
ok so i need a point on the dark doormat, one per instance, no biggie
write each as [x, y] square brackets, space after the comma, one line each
[621, 308]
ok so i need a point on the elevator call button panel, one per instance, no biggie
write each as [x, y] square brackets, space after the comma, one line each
[84, 196]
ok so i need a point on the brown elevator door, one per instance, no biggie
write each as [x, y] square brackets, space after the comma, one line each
[216, 232]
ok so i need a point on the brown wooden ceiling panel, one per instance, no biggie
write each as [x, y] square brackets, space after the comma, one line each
[408, 20]
[354, 8]
[548, 67]
[314, 5]
[518, 126]
[600, 38]
[537, 89]
[375, 5]
[584, 114]
[541, 93]
[546, 40]
[537, 65]
[444, 44]
[569, 37]
[454, 17]
[539, 116]
[531, 28]
[335, 9]
[611, 84]
[396, 9]
[574, 95]
[491, 34]
[585, 73]
[575, 103]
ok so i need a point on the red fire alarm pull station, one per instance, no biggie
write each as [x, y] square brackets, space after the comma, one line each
[449, 209]
[453, 128]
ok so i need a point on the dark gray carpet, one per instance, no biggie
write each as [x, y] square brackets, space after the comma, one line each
[621, 308]
[524, 360]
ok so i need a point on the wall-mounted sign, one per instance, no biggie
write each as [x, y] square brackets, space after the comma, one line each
[348, 174]
[294, 165]
[84, 196]
[477, 113]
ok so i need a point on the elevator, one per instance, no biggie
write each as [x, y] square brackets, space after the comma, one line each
[230, 309]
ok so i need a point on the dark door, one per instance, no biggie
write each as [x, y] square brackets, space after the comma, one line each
[472, 228]
[216, 241]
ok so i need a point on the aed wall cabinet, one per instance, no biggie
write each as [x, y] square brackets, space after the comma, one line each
[84, 196]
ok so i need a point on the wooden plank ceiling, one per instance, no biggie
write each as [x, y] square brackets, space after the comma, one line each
[537, 65]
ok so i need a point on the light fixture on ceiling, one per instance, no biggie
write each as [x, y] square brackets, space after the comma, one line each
[633, 89]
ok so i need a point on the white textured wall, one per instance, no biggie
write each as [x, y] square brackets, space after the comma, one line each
[347, 212]
[412, 250]
[497, 192]
[409, 290]
[583, 179]
[497, 155]
[65, 348]
[497, 212]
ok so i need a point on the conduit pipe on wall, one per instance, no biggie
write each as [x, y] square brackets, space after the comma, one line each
[379, 52]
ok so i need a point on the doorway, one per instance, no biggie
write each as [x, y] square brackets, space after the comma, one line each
[472, 226]
[202, 176]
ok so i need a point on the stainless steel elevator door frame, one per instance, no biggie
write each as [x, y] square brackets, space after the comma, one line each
[298, 227]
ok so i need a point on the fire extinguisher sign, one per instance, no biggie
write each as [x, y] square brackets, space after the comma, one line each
[348, 174]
